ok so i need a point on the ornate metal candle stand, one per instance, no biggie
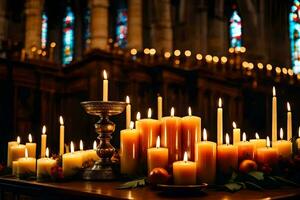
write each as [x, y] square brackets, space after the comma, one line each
[103, 169]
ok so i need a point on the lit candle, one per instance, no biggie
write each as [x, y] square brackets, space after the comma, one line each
[267, 155]
[258, 143]
[159, 107]
[236, 134]
[227, 157]
[289, 122]
[220, 123]
[61, 136]
[284, 147]
[31, 147]
[44, 166]
[138, 117]
[17, 151]
[9, 157]
[129, 142]
[205, 158]
[105, 86]
[184, 172]
[157, 157]
[91, 154]
[148, 130]
[171, 135]
[191, 133]
[274, 116]
[128, 112]
[26, 165]
[245, 149]
[71, 162]
[43, 142]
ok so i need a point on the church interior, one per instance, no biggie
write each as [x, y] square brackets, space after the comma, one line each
[189, 52]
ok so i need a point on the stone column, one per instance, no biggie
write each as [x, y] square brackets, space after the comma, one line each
[163, 33]
[200, 40]
[3, 20]
[33, 24]
[135, 27]
[99, 24]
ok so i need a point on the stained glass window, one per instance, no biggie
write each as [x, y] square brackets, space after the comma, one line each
[44, 30]
[87, 32]
[68, 36]
[294, 35]
[121, 29]
[235, 30]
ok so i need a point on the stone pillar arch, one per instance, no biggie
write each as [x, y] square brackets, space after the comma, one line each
[135, 27]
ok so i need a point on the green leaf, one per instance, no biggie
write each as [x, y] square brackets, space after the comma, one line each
[252, 185]
[233, 187]
[132, 184]
[257, 175]
[286, 181]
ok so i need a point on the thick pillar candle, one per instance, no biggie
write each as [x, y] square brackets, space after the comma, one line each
[128, 113]
[289, 122]
[17, 151]
[236, 134]
[274, 116]
[245, 149]
[258, 143]
[9, 156]
[220, 123]
[149, 130]
[43, 142]
[191, 133]
[61, 136]
[71, 162]
[44, 166]
[31, 147]
[184, 172]
[157, 157]
[171, 136]
[267, 155]
[129, 140]
[159, 107]
[284, 147]
[227, 157]
[105, 86]
[205, 158]
[92, 153]
[26, 165]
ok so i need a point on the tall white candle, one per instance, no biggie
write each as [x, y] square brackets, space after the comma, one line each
[128, 112]
[43, 142]
[236, 134]
[105, 86]
[289, 122]
[159, 107]
[220, 123]
[274, 116]
[31, 147]
[61, 136]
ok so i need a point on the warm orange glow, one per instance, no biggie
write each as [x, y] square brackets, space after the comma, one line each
[268, 141]
[269, 67]
[177, 52]
[138, 116]
[146, 51]
[104, 75]
[72, 147]
[61, 120]
[204, 135]
[274, 92]
[290, 72]
[185, 157]
[199, 56]
[256, 136]
[26, 153]
[131, 126]
[215, 59]
[47, 152]
[244, 137]
[29, 138]
[95, 145]
[281, 133]
[149, 113]
[260, 65]
[44, 130]
[223, 59]
[81, 145]
[220, 103]
[208, 58]
[18, 140]
[187, 53]
[127, 100]
[167, 54]
[172, 112]
[158, 142]
[299, 131]
[227, 140]
[52, 44]
[152, 51]
[133, 52]
[233, 124]
[190, 111]
[284, 70]
[278, 70]
[288, 107]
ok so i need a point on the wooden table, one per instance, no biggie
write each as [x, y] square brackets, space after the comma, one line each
[11, 188]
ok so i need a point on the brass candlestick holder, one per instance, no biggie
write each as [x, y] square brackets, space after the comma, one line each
[103, 169]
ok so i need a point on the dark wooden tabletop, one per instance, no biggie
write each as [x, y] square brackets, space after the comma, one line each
[106, 190]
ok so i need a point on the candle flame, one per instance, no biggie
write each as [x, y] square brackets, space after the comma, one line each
[80, 145]
[47, 152]
[281, 133]
[95, 145]
[158, 142]
[233, 124]
[104, 75]
[26, 153]
[220, 103]
[274, 92]
[29, 138]
[227, 139]
[244, 137]
[72, 147]
[61, 120]
[18, 140]
[172, 112]
[185, 157]
[190, 111]
[288, 107]
[299, 131]
[131, 126]
[138, 116]
[127, 100]
[204, 135]
[44, 130]
[149, 113]
[256, 136]
[268, 141]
